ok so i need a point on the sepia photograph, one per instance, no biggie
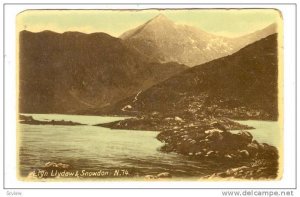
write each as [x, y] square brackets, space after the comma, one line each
[149, 95]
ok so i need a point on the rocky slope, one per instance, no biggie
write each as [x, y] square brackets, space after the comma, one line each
[192, 109]
[162, 40]
[212, 142]
[72, 72]
[239, 86]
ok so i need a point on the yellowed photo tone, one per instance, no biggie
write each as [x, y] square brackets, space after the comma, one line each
[164, 95]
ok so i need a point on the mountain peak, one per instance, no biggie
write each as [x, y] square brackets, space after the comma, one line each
[160, 23]
[160, 18]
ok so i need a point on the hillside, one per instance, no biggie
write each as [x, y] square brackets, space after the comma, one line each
[162, 40]
[70, 72]
[242, 85]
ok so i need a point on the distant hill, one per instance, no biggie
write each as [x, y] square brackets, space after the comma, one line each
[242, 85]
[70, 72]
[242, 41]
[162, 40]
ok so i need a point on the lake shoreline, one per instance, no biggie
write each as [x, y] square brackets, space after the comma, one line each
[199, 141]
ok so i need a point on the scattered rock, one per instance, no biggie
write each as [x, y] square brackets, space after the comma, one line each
[211, 154]
[244, 153]
[57, 165]
[213, 131]
[218, 126]
[253, 147]
[179, 119]
[260, 169]
[207, 138]
[164, 175]
[150, 177]
[214, 135]
[127, 107]
[168, 119]
[245, 135]
[158, 176]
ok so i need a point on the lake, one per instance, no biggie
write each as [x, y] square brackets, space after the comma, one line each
[95, 148]
[265, 131]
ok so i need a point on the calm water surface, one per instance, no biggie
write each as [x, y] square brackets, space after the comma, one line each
[93, 148]
[265, 131]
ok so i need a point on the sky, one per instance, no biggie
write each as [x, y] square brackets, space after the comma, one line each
[225, 22]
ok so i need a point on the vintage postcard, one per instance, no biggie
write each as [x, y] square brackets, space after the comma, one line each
[153, 94]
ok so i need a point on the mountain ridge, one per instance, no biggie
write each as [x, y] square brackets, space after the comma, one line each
[71, 71]
[245, 81]
[162, 40]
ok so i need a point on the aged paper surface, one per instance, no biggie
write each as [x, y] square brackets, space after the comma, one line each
[189, 94]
